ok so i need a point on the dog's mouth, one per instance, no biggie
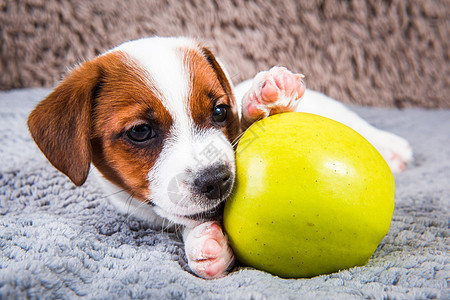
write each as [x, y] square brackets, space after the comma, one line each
[209, 215]
[214, 214]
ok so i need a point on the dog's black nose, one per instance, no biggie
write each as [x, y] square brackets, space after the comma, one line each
[214, 182]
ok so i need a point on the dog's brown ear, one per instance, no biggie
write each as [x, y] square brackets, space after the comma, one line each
[60, 124]
[224, 81]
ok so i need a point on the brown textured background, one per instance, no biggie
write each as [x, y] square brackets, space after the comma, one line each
[380, 53]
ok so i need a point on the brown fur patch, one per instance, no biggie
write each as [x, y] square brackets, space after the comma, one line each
[86, 117]
[210, 87]
[126, 98]
[60, 124]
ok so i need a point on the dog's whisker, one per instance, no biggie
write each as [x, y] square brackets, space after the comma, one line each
[236, 140]
[166, 227]
[141, 204]
[128, 201]
[163, 227]
[115, 193]
[179, 230]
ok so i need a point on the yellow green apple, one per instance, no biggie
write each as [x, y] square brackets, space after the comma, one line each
[312, 197]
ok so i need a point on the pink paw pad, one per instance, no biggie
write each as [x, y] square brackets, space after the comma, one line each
[275, 91]
[208, 251]
[212, 247]
[282, 83]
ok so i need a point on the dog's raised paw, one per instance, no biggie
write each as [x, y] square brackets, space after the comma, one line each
[209, 255]
[275, 91]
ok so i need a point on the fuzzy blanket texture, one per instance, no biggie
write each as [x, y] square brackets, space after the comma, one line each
[379, 53]
[59, 241]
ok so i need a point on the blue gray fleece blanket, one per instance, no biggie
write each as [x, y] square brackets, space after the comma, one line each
[59, 241]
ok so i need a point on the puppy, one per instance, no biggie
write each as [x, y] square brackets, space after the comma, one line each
[158, 120]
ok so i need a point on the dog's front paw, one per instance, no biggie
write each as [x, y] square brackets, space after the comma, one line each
[274, 91]
[209, 255]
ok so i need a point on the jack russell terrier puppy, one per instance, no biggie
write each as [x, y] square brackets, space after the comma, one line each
[158, 118]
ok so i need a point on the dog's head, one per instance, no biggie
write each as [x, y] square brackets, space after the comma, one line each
[155, 116]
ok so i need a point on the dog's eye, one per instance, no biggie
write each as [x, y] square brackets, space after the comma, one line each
[140, 133]
[220, 113]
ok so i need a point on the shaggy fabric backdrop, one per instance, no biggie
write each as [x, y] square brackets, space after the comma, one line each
[58, 241]
[380, 53]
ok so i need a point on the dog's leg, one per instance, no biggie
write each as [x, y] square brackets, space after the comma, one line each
[209, 255]
[271, 92]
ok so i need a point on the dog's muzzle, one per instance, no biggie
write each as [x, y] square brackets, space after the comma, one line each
[214, 182]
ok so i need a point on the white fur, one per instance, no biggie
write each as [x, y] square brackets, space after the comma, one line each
[181, 158]
[127, 205]
[163, 62]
